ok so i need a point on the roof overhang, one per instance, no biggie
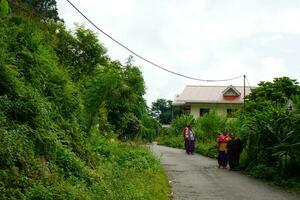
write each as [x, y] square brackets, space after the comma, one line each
[216, 102]
[205, 102]
[178, 103]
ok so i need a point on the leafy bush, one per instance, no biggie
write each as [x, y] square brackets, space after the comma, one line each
[263, 172]
[16, 147]
[207, 149]
[270, 131]
[180, 122]
[272, 139]
[150, 128]
[69, 163]
[209, 126]
[290, 183]
[131, 126]
[39, 192]
[171, 141]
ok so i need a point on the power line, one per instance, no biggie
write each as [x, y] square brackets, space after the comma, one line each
[248, 83]
[143, 58]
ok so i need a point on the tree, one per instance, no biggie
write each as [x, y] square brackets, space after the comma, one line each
[45, 8]
[81, 51]
[271, 131]
[161, 110]
[119, 90]
[4, 8]
[279, 91]
[129, 104]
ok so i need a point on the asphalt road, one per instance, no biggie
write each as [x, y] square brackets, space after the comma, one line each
[198, 177]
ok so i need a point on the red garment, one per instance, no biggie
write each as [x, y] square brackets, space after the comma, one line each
[222, 138]
[185, 132]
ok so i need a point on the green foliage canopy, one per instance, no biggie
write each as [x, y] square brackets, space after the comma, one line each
[163, 111]
[44, 8]
[4, 8]
[278, 91]
[270, 129]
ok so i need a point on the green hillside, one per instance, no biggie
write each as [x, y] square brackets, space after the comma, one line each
[65, 107]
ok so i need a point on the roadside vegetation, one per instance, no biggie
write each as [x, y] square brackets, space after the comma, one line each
[68, 113]
[269, 127]
[206, 129]
[163, 111]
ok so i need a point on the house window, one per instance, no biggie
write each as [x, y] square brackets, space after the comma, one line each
[203, 111]
[230, 112]
[186, 110]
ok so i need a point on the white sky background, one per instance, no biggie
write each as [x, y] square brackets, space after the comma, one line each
[206, 39]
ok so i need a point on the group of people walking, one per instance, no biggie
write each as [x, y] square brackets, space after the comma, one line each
[229, 150]
[229, 147]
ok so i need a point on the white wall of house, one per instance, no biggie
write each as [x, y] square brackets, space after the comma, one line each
[218, 108]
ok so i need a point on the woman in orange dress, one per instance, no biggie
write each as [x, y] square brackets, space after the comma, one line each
[222, 140]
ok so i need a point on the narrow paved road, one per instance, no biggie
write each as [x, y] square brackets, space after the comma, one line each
[197, 177]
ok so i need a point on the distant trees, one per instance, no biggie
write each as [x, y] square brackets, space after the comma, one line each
[163, 111]
[278, 91]
[80, 50]
[46, 9]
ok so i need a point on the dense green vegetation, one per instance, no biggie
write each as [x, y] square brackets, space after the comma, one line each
[164, 111]
[64, 105]
[206, 129]
[271, 131]
[268, 127]
[41, 9]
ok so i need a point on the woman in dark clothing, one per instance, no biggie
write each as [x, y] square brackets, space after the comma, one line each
[234, 147]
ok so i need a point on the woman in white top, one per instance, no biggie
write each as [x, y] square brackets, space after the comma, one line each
[189, 140]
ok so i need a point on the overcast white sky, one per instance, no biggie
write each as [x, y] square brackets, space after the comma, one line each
[206, 39]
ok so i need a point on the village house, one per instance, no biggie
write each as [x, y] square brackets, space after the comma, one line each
[197, 100]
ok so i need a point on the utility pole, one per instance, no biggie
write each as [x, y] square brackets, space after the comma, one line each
[172, 109]
[244, 89]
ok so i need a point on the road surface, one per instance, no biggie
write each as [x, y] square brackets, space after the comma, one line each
[197, 177]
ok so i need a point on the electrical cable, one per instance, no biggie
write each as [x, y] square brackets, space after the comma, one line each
[143, 58]
[248, 83]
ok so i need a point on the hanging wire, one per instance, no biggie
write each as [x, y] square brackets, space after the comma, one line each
[145, 59]
[251, 87]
